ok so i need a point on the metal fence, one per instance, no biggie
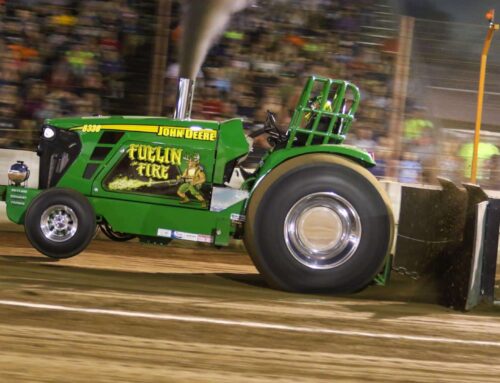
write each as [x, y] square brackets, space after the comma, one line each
[120, 57]
[441, 102]
[69, 58]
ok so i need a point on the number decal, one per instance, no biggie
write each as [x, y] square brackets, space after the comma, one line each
[91, 128]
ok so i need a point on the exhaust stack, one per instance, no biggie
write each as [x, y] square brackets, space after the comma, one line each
[184, 100]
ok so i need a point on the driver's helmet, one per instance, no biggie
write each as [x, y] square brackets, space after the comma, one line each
[315, 103]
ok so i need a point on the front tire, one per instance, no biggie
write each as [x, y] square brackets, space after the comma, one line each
[319, 223]
[60, 223]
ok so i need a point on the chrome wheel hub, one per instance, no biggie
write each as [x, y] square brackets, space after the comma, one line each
[59, 223]
[322, 230]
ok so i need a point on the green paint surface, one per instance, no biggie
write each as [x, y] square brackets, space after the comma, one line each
[156, 178]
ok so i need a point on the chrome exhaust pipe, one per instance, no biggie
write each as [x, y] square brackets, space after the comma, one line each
[184, 100]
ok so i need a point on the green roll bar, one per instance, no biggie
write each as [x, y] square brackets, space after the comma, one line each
[333, 106]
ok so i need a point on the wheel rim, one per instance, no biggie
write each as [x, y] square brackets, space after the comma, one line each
[59, 223]
[322, 230]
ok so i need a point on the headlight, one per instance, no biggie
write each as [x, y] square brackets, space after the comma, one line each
[49, 132]
[18, 173]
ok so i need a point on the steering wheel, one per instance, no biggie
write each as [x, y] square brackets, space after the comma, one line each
[271, 127]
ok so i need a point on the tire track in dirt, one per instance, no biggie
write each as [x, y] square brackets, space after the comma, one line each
[46, 346]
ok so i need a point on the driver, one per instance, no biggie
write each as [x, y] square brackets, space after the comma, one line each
[324, 122]
[315, 103]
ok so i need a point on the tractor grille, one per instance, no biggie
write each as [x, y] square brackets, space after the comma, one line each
[56, 155]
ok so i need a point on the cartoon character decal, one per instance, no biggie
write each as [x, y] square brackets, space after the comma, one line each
[160, 171]
[193, 179]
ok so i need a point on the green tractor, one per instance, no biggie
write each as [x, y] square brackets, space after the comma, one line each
[311, 215]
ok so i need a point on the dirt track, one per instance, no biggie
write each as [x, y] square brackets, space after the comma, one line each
[210, 318]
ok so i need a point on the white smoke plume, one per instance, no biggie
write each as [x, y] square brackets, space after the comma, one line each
[203, 21]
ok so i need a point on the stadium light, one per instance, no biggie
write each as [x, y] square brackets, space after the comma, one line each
[490, 16]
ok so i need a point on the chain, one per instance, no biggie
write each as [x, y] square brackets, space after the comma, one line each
[404, 271]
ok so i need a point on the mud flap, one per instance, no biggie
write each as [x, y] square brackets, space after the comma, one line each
[441, 238]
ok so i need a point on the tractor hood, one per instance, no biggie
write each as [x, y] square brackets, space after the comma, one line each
[75, 150]
[81, 122]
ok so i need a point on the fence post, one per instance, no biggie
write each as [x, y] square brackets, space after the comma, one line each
[400, 83]
[157, 84]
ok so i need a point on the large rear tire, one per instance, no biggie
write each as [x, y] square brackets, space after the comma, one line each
[60, 223]
[319, 223]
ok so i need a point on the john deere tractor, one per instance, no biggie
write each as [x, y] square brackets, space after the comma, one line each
[311, 215]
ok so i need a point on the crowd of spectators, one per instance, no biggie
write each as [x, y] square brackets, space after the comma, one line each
[261, 61]
[67, 57]
[263, 57]
[60, 57]
[267, 51]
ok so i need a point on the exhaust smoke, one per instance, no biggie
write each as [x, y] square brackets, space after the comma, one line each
[203, 22]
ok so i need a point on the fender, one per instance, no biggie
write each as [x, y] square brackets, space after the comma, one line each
[276, 158]
[351, 152]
